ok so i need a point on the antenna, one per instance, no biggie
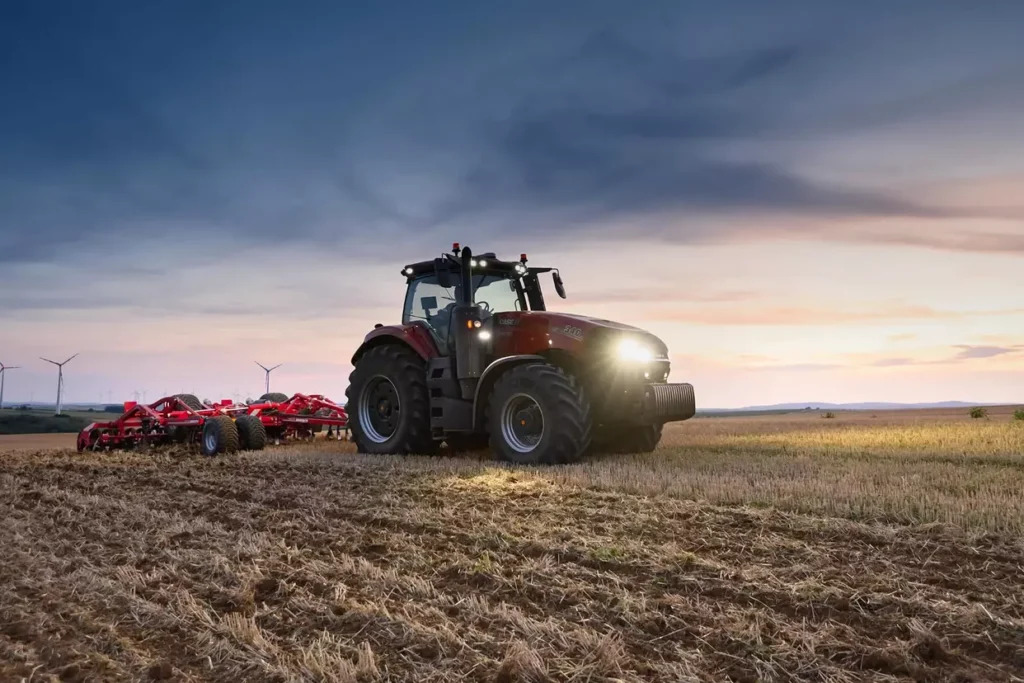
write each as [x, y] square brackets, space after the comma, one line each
[3, 369]
[60, 378]
[268, 371]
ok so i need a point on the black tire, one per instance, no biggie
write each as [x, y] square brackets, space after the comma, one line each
[191, 401]
[467, 442]
[622, 439]
[409, 429]
[564, 409]
[220, 435]
[252, 435]
[273, 397]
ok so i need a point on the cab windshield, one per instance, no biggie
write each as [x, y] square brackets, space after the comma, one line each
[428, 301]
[494, 293]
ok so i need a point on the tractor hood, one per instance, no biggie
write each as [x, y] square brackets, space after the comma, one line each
[590, 321]
[600, 329]
[535, 330]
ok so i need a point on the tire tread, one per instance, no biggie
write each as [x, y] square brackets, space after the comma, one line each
[573, 423]
[252, 434]
[405, 367]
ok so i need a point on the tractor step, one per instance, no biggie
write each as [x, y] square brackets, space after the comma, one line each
[448, 410]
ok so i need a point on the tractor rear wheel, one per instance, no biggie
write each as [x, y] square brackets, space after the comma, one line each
[390, 411]
[252, 435]
[538, 414]
[220, 435]
[273, 397]
[629, 439]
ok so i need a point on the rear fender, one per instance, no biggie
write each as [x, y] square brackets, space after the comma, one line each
[490, 376]
[414, 335]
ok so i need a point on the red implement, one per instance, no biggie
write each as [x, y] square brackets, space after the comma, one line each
[221, 427]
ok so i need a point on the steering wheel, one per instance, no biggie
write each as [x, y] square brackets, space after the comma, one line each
[487, 306]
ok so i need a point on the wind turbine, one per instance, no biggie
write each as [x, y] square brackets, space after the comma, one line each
[60, 377]
[4, 368]
[268, 371]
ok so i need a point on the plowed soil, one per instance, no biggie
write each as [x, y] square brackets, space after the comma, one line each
[35, 442]
[322, 565]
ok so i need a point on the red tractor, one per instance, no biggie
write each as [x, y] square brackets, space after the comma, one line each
[479, 361]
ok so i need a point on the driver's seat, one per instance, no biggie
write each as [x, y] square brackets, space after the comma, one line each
[441, 325]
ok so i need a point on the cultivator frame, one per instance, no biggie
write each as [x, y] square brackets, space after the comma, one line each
[224, 426]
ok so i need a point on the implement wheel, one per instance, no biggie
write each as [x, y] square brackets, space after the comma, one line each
[252, 435]
[273, 397]
[190, 400]
[220, 435]
[537, 414]
[390, 411]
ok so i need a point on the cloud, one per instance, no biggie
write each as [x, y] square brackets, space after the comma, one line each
[600, 117]
[802, 367]
[796, 316]
[579, 157]
[894, 362]
[690, 294]
[965, 240]
[968, 352]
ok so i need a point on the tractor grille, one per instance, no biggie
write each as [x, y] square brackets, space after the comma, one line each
[671, 402]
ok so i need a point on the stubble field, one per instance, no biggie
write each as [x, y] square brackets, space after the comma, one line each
[884, 547]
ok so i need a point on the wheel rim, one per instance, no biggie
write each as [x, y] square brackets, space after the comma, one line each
[522, 423]
[380, 409]
[210, 441]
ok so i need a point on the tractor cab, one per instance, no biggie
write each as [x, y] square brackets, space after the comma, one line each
[435, 288]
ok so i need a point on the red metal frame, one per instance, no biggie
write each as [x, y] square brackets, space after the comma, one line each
[300, 417]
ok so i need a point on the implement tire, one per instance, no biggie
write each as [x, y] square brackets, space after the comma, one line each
[220, 435]
[252, 435]
[390, 405]
[538, 415]
[273, 397]
[191, 401]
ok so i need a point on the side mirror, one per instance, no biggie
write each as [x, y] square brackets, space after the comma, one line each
[559, 287]
[444, 276]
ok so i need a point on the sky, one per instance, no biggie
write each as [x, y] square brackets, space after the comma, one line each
[808, 201]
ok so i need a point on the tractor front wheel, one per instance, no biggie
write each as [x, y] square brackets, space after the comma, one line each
[220, 435]
[538, 414]
[390, 405]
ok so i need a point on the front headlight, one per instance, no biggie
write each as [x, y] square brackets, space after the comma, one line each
[634, 351]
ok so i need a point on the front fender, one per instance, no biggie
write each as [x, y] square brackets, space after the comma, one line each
[490, 375]
[413, 335]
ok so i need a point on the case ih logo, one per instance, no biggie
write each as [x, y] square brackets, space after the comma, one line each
[508, 322]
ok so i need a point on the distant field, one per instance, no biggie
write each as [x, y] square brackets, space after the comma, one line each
[15, 421]
[774, 548]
